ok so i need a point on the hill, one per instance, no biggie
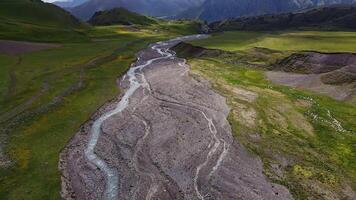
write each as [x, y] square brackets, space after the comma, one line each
[119, 16]
[146, 7]
[35, 20]
[215, 10]
[335, 17]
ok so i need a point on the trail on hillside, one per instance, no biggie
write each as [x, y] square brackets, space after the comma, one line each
[166, 137]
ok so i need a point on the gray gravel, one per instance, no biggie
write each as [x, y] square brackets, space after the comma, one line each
[173, 141]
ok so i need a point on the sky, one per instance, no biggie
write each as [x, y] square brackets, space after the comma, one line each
[53, 0]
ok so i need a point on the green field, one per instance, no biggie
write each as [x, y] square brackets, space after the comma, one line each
[47, 95]
[284, 41]
[306, 141]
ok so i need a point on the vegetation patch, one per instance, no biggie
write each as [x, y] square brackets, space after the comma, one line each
[34, 20]
[119, 16]
[282, 41]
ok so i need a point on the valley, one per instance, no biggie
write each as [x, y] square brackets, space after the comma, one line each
[119, 105]
[166, 142]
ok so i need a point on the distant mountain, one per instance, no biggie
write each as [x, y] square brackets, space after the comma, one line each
[119, 16]
[215, 10]
[147, 7]
[69, 4]
[333, 17]
[37, 21]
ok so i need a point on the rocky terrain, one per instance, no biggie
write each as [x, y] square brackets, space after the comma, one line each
[166, 137]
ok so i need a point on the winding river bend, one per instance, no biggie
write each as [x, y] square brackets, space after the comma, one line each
[111, 192]
[166, 138]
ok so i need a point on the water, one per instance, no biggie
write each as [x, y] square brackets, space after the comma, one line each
[111, 174]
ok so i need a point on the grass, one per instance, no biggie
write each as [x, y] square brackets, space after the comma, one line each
[282, 41]
[316, 153]
[6, 62]
[33, 20]
[54, 92]
[306, 141]
[120, 16]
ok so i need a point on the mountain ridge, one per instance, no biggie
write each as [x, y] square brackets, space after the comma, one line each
[145, 7]
[328, 17]
[216, 10]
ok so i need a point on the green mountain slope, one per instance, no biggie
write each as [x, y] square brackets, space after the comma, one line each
[330, 18]
[35, 20]
[216, 10]
[119, 16]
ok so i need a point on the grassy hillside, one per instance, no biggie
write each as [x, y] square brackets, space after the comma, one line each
[327, 18]
[324, 41]
[306, 140]
[45, 96]
[37, 21]
[119, 16]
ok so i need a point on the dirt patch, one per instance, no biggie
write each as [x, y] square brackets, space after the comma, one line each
[245, 115]
[331, 74]
[18, 48]
[313, 82]
[241, 93]
[317, 63]
[335, 69]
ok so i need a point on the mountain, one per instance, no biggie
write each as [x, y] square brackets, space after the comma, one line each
[36, 20]
[215, 10]
[69, 4]
[146, 7]
[333, 17]
[119, 16]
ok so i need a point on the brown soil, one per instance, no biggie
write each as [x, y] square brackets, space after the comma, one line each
[313, 82]
[17, 47]
[173, 141]
[318, 63]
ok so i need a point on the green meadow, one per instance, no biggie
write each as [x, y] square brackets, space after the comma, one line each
[325, 41]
